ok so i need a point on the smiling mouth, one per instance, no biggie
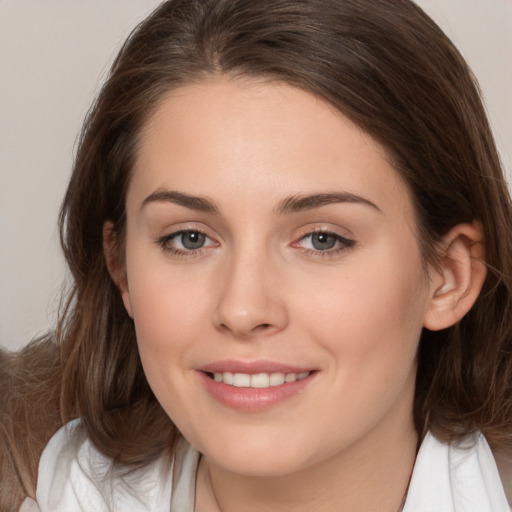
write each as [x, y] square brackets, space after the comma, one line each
[258, 380]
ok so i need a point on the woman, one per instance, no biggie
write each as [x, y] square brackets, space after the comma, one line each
[289, 235]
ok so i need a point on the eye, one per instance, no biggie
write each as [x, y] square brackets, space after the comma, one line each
[324, 242]
[186, 241]
[190, 240]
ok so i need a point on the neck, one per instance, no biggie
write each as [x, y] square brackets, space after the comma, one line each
[371, 475]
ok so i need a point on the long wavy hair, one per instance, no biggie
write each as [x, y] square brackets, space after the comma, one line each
[385, 65]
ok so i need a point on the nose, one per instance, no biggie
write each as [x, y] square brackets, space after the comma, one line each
[251, 299]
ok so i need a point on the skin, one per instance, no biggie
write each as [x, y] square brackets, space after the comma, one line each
[260, 289]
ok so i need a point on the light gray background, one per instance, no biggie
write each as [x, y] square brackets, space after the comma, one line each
[54, 55]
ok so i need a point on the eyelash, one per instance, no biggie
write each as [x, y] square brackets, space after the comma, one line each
[342, 242]
[164, 242]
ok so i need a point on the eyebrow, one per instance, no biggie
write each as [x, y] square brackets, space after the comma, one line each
[201, 204]
[309, 202]
[290, 204]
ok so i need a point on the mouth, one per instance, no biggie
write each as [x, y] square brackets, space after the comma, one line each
[257, 380]
[254, 387]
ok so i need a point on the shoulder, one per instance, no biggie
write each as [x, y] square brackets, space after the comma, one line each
[74, 475]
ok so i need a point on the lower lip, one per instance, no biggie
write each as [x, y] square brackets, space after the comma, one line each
[253, 399]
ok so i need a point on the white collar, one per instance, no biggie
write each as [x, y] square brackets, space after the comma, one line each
[457, 477]
[186, 461]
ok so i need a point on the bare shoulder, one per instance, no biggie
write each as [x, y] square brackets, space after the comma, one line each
[29, 416]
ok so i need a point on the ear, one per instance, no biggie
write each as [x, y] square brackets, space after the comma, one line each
[458, 278]
[115, 264]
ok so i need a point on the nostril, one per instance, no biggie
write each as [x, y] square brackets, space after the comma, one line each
[247, 333]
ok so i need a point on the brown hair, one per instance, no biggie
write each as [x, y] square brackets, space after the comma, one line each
[386, 66]
[29, 415]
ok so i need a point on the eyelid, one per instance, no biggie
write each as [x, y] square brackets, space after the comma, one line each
[164, 240]
[169, 230]
[344, 242]
[319, 227]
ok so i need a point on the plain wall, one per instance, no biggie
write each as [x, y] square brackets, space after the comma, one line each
[54, 55]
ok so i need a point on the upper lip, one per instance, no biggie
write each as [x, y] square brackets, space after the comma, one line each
[252, 367]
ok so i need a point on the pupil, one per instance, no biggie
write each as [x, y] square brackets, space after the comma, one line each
[323, 241]
[192, 240]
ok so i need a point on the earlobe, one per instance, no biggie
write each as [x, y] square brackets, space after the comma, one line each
[458, 278]
[115, 265]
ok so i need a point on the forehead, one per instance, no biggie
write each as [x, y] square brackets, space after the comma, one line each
[248, 138]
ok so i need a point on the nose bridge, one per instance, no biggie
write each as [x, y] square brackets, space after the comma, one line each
[249, 300]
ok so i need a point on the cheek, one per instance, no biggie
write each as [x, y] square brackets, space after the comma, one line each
[164, 314]
[167, 319]
[370, 316]
[370, 326]
[168, 310]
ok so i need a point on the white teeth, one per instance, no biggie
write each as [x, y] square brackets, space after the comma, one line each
[242, 380]
[258, 380]
[276, 379]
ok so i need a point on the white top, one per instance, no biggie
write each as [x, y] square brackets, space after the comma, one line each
[446, 478]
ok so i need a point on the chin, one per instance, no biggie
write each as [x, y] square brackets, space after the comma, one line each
[259, 455]
[260, 465]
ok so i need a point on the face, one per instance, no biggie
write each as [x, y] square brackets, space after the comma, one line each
[274, 277]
